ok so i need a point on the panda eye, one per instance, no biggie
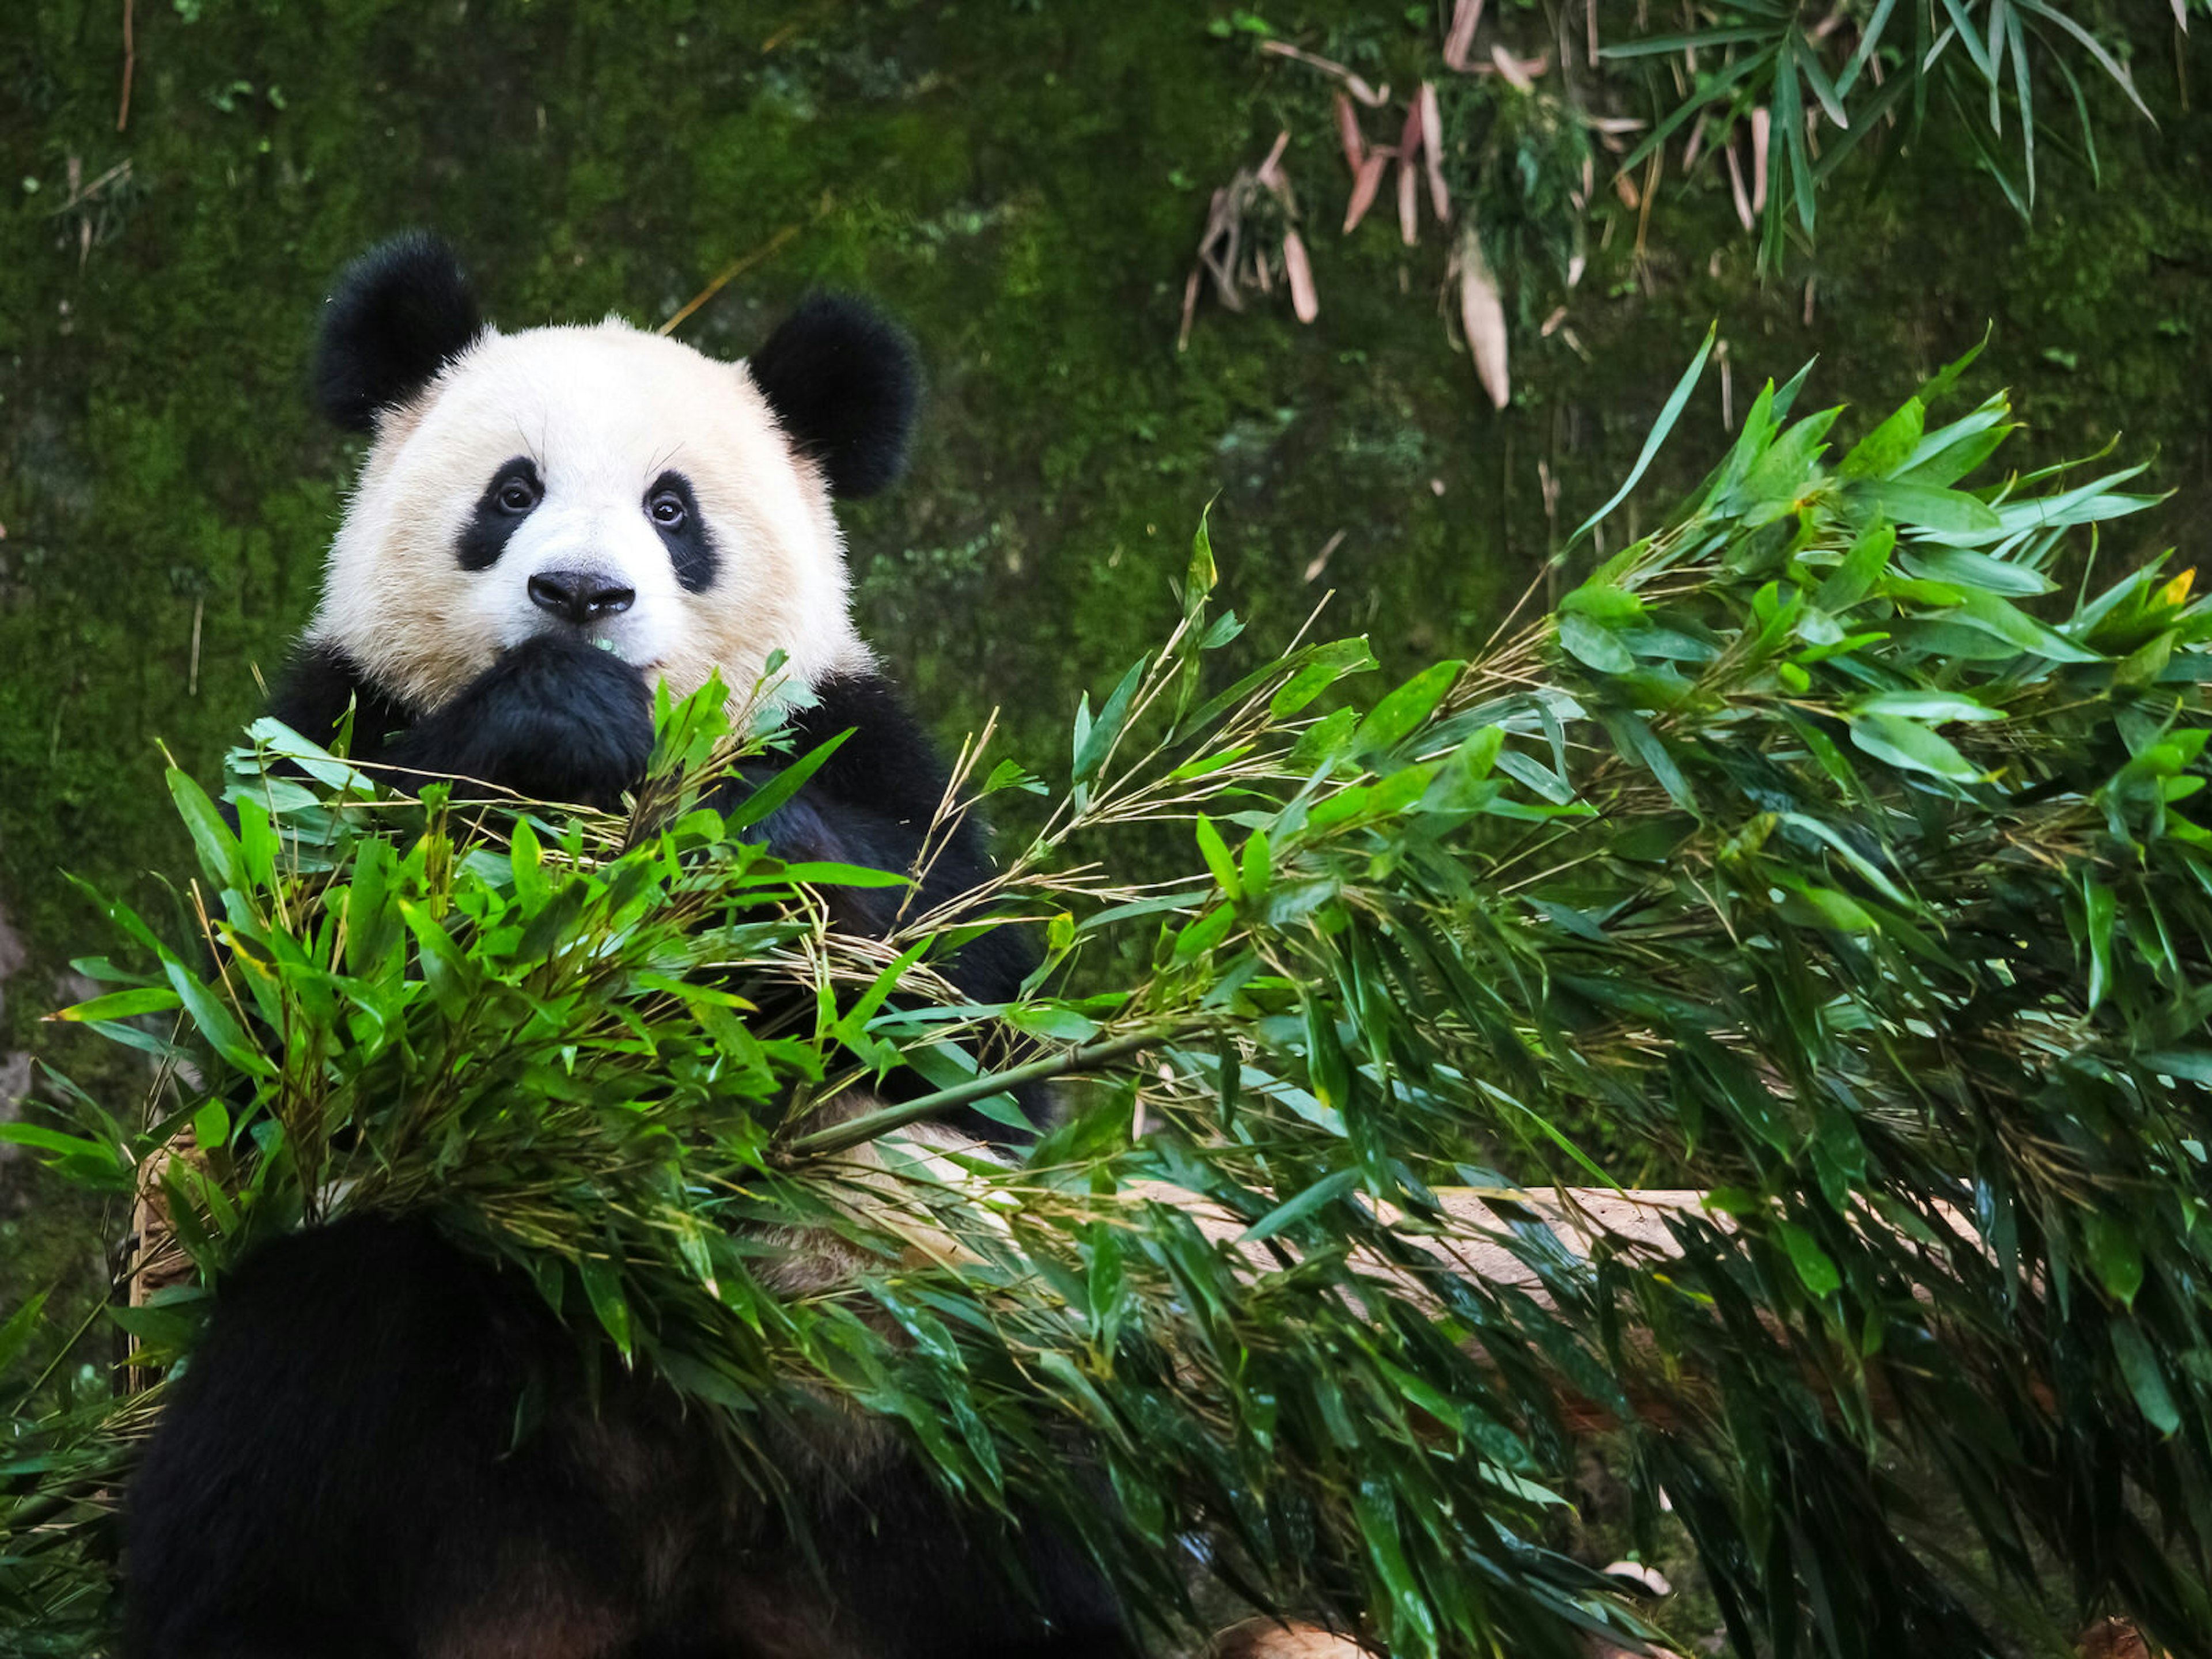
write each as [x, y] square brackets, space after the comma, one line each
[668, 510]
[517, 495]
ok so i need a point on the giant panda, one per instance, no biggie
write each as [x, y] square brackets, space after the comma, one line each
[549, 522]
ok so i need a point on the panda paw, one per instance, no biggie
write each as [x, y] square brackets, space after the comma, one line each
[555, 719]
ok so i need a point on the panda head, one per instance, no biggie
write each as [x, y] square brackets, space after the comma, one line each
[597, 479]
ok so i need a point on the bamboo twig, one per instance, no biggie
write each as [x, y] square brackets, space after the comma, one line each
[868, 1125]
[736, 268]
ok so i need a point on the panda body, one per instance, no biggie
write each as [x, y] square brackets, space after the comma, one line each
[547, 524]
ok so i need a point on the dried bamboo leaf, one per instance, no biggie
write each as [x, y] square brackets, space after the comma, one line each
[1364, 188]
[1466, 16]
[1432, 128]
[1520, 73]
[1482, 315]
[1762, 132]
[1304, 302]
[1352, 83]
[1349, 135]
[1270, 170]
[1735, 187]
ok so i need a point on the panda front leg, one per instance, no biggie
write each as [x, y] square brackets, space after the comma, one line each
[344, 1471]
[557, 718]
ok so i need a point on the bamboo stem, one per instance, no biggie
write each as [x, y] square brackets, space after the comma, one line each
[868, 1125]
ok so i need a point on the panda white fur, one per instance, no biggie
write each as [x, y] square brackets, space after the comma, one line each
[547, 522]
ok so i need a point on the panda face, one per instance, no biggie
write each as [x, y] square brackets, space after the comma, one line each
[600, 481]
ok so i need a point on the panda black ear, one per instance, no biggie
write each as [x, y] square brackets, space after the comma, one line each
[843, 380]
[400, 313]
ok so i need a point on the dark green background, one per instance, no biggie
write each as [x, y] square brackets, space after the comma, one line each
[1024, 183]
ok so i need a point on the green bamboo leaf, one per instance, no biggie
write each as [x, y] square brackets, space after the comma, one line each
[1869, 39]
[219, 853]
[1217, 857]
[1677, 400]
[603, 1288]
[2003, 621]
[1815, 1267]
[1924, 506]
[526, 859]
[1937, 706]
[1402, 712]
[1328, 1069]
[122, 1005]
[2104, 60]
[1056, 1021]
[1654, 45]
[2099, 906]
[16, 1334]
[787, 782]
[1907, 744]
[1202, 572]
[1885, 450]
[1097, 740]
[1256, 865]
[2114, 1255]
[1854, 578]
[1961, 567]
[1594, 644]
[218, 1028]
[1322, 1193]
[2139, 1363]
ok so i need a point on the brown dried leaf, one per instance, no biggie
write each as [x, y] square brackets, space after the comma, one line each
[1432, 128]
[1762, 125]
[1465, 17]
[1482, 315]
[1363, 188]
[1296, 266]
[1270, 170]
[1520, 73]
[1348, 134]
[1217, 248]
[1358, 88]
[1735, 186]
[1409, 150]
[1319, 562]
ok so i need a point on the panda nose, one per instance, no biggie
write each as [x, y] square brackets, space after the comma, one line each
[580, 596]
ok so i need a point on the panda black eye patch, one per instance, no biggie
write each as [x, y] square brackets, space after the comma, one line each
[511, 496]
[673, 510]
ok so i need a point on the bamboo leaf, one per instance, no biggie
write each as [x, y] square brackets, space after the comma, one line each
[1676, 401]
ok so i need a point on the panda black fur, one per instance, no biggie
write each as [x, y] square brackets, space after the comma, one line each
[338, 1474]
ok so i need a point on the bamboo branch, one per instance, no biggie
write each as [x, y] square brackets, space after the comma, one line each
[869, 1125]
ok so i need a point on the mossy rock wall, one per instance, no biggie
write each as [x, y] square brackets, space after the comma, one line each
[1024, 182]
